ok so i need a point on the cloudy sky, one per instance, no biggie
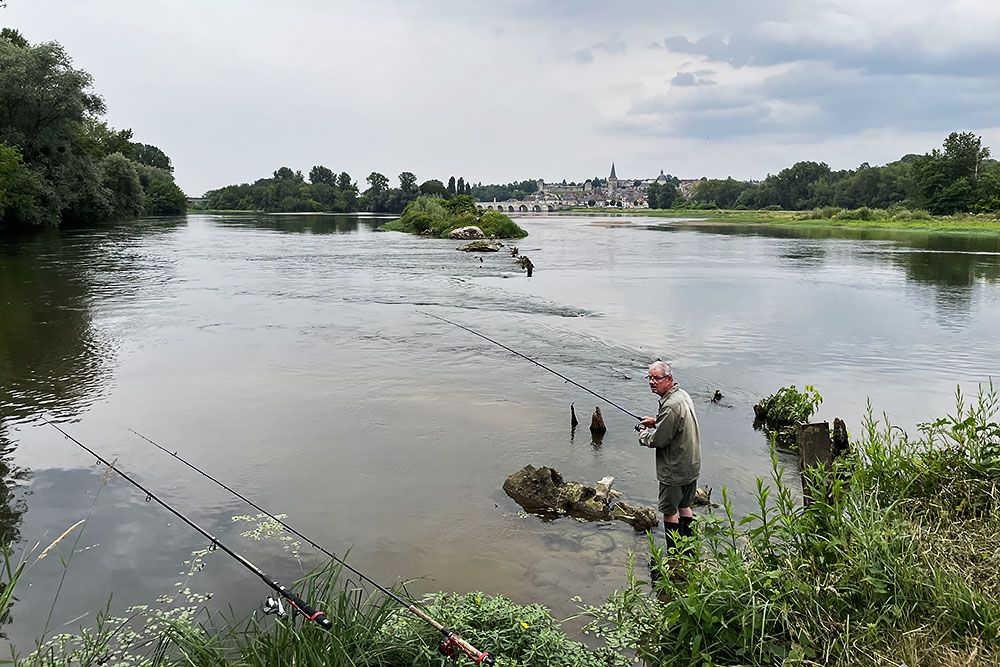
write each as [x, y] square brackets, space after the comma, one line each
[500, 91]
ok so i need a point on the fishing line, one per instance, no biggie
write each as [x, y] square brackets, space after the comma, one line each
[539, 364]
[451, 642]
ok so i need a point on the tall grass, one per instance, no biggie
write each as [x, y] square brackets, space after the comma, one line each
[896, 563]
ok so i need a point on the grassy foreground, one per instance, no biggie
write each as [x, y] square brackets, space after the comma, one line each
[896, 562]
[877, 219]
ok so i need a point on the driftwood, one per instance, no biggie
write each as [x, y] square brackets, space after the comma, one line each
[597, 422]
[525, 263]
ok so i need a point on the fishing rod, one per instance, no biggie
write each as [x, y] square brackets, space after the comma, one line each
[527, 358]
[294, 600]
[451, 643]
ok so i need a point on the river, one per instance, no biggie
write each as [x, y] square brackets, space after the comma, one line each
[288, 355]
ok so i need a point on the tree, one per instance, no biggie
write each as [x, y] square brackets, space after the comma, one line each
[964, 153]
[13, 36]
[45, 101]
[433, 187]
[451, 186]
[460, 186]
[21, 193]
[320, 174]
[151, 155]
[124, 192]
[408, 183]
[377, 182]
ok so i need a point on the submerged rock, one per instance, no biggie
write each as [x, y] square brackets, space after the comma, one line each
[480, 245]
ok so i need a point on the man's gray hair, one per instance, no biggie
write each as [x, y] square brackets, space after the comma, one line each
[661, 368]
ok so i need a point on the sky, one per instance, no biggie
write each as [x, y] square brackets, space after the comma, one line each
[501, 91]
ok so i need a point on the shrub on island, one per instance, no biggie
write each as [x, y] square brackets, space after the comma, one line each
[433, 216]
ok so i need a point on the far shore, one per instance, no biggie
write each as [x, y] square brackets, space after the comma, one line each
[959, 224]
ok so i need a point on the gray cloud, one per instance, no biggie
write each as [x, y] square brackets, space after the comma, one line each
[691, 79]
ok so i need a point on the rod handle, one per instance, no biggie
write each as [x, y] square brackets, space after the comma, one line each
[307, 610]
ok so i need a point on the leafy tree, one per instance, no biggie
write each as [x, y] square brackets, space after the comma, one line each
[14, 37]
[151, 155]
[408, 183]
[45, 101]
[124, 192]
[162, 196]
[433, 187]
[377, 182]
[320, 174]
[460, 186]
[451, 186]
[21, 193]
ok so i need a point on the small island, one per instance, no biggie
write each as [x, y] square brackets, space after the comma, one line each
[434, 216]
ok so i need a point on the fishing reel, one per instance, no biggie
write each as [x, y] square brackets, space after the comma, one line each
[273, 606]
[638, 427]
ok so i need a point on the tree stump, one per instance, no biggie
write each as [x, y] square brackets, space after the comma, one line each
[597, 422]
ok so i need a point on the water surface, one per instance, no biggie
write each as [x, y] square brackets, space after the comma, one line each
[287, 354]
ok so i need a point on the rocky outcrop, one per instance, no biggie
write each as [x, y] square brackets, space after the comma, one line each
[481, 245]
[544, 491]
[467, 233]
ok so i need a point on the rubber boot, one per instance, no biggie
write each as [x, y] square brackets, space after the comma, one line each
[685, 526]
[687, 530]
[670, 530]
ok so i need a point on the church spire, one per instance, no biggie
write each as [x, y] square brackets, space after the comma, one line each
[613, 171]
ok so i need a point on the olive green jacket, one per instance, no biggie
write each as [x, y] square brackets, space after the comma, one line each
[676, 438]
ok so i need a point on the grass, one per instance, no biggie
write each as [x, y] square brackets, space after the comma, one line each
[831, 217]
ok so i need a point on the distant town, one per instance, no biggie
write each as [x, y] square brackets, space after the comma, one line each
[594, 193]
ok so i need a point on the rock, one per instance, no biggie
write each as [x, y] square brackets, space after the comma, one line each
[640, 518]
[544, 491]
[603, 487]
[466, 233]
[480, 245]
[718, 397]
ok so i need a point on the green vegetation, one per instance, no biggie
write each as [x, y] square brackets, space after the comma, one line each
[894, 563]
[59, 163]
[516, 190]
[786, 409]
[433, 216]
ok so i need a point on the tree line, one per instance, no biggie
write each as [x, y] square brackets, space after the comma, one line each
[288, 191]
[959, 177]
[59, 162]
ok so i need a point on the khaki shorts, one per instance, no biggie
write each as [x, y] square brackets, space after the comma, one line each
[672, 498]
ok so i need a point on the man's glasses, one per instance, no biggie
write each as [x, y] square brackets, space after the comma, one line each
[657, 379]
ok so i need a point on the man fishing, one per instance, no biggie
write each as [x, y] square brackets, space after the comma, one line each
[675, 435]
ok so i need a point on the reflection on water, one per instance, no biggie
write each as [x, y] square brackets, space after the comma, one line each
[287, 354]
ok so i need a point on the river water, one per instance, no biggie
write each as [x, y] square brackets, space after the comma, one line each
[288, 355]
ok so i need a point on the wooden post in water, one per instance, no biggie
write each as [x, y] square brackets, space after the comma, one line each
[573, 421]
[815, 449]
[597, 422]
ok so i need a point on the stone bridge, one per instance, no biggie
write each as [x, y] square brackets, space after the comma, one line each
[515, 206]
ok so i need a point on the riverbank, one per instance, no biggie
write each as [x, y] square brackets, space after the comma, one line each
[919, 221]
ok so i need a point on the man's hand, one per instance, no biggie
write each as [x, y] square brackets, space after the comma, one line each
[647, 422]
